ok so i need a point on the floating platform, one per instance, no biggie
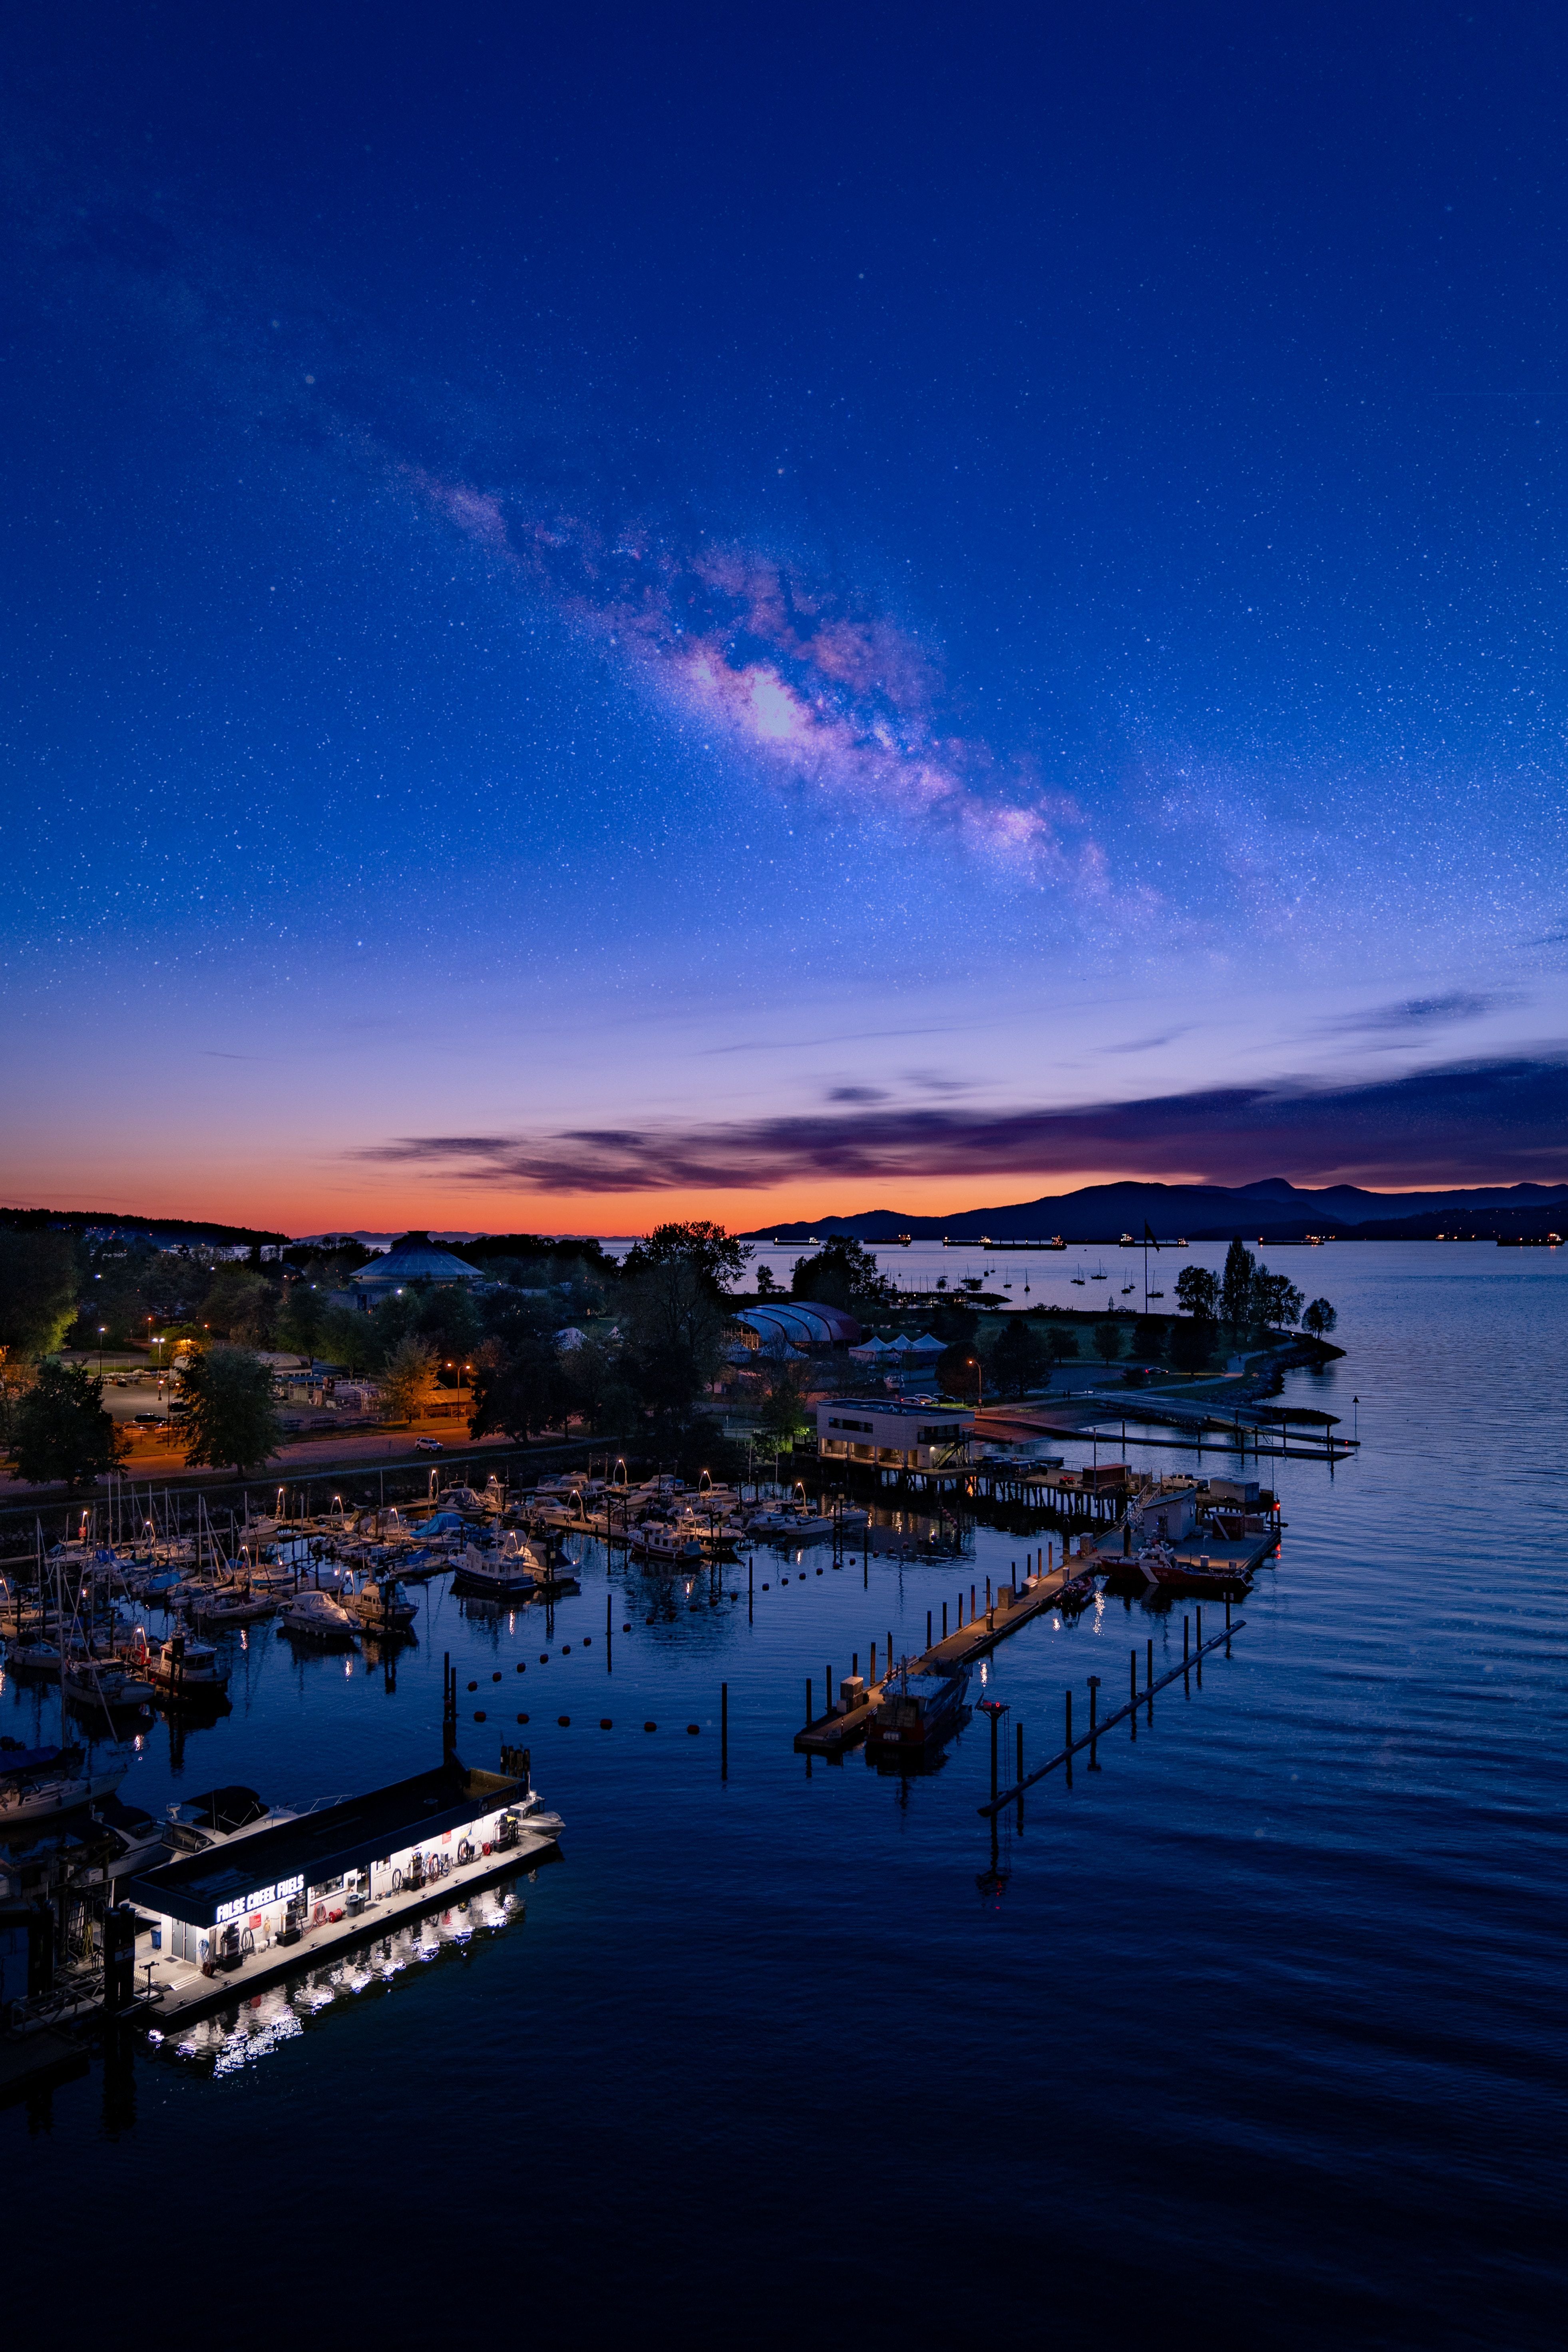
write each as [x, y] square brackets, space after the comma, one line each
[179, 1989]
[832, 1734]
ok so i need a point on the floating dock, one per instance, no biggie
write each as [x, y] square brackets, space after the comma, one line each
[1012, 1607]
[177, 1990]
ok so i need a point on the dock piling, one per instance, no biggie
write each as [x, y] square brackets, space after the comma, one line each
[723, 1731]
[1067, 1741]
[1093, 1725]
[928, 1629]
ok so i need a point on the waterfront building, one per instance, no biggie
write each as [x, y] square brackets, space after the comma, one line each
[892, 1432]
[415, 1259]
[216, 1909]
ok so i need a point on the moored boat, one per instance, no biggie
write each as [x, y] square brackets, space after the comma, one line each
[915, 1711]
[316, 1617]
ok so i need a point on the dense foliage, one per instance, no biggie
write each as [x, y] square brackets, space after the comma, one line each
[228, 1416]
[60, 1431]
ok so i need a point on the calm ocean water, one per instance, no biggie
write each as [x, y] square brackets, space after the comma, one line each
[1256, 2034]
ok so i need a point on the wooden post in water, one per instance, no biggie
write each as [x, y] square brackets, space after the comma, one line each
[873, 1662]
[724, 1730]
[928, 1629]
[1149, 1682]
[1133, 1679]
[1067, 1743]
[1093, 1722]
[944, 1621]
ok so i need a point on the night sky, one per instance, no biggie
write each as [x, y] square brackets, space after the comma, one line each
[622, 613]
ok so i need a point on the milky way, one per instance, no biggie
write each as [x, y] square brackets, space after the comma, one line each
[829, 695]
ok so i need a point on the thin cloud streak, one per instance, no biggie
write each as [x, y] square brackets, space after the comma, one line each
[1470, 1123]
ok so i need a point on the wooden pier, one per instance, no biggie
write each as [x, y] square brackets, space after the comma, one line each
[1010, 1607]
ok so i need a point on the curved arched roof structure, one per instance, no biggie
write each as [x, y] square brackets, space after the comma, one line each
[800, 1323]
[415, 1258]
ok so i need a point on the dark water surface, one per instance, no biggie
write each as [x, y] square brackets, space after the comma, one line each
[1257, 2035]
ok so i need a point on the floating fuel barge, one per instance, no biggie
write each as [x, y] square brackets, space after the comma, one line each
[255, 1906]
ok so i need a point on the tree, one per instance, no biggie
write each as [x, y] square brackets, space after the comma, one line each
[783, 1417]
[1108, 1341]
[1319, 1318]
[1149, 1336]
[1061, 1343]
[1276, 1301]
[304, 1314]
[242, 1305]
[347, 1337]
[843, 1273]
[766, 1284]
[519, 1389]
[1018, 1360]
[1191, 1344]
[1197, 1294]
[961, 1372]
[674, 1319]
[593, 1374]
[37, 1290]
[406, 1379]
[706, 1248]
[229, 1413]
[1236, 1284]
[61, 1431]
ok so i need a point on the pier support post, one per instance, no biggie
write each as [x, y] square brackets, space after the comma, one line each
[928, 1629]
[1067, 1742]
[1132, 1678]
[1093, 1722]
[944, 1621]
[723, 1731]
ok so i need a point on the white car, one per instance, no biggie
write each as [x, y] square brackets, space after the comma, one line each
[429, 1446]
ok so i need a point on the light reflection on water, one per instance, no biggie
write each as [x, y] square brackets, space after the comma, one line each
[1257, 2030]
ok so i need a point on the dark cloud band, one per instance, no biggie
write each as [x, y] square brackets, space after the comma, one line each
[1474, 1123]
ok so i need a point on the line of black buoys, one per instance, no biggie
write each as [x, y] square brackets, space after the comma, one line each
[520, 1667]
[479, 1715]
[764, 1588]
[496, 1676]
[473, 1687]
[544, 1657]
[819, 1571]
[523, 1719]
[650, 1727]
[625, 1628]
[564, 1721]
[693, 1728]
[606, 1724]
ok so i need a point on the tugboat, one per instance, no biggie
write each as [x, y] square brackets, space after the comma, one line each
[183, 1672]
[1164, 1573]
[916, 1712]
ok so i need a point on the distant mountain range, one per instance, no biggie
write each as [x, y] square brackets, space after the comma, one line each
[1269, 1210]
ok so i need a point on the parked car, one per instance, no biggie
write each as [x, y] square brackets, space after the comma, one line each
[429, 1446]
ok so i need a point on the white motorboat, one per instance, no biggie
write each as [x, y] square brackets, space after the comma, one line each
[316, 1617]
[512, 1571]
[789, 1525]
[36, 1784]
[658, 1539]
[104, 1683]
[382, 1608]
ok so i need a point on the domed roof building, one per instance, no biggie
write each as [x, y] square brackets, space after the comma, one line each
[413, 1259]
[787, 1323]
